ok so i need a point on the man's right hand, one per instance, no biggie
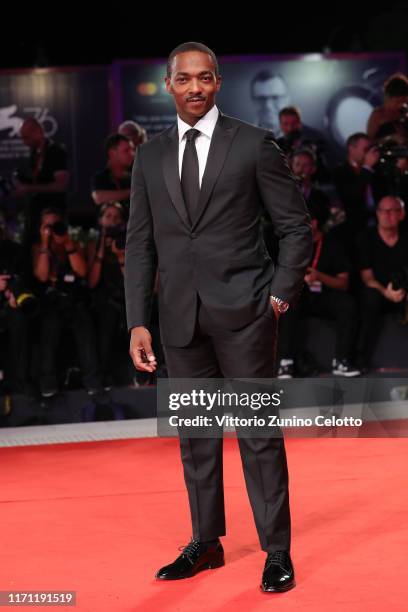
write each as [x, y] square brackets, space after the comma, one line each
[45, 234]
[394, 295]
[4, 278]
[141, 350]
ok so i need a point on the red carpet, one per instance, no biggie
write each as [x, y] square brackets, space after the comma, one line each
[101, 517]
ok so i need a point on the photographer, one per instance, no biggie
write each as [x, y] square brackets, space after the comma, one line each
[391, 119]
[323, 295]
[113, 183]
[46, 181]
[106, 260]
[135, 132]
[303, 164]
[383, 254]
[60, 267]
[358, 183]
[13, 318]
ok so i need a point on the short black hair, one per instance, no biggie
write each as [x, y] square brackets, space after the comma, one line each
[354, 138]
[191, 46]
[396, 85]
[52, 210]
[291, 111]
[305, 151]
[113, 140]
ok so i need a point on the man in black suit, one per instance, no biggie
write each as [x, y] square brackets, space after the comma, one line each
[358, 184]
[198, 191]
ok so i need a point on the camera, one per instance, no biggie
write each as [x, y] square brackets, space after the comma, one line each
[59, 228]
[118, 234]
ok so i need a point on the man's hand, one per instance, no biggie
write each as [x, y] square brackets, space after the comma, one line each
[45, 235]
[120, 253]
[394, 295]
[312, 275]
[4, 278]
[11, 299]
[141, 350]
[275, 308]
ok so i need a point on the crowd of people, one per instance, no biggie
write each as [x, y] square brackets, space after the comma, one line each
[57, 284]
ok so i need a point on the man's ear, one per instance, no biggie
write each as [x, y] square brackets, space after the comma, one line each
[219, 82]
[168, 85]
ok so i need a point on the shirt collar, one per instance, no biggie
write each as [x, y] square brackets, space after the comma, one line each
[206, 124]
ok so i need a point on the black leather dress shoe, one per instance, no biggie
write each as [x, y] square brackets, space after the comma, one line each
[196, 556]
[278, 575]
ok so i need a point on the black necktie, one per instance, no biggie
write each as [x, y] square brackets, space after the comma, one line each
[190, 182]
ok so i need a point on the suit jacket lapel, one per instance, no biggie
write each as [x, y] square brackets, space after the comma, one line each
[221, 140]
[171, 172]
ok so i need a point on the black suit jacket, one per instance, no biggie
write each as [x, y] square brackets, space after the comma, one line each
[221, 256]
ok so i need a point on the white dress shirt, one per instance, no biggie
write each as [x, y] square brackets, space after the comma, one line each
[206, 126]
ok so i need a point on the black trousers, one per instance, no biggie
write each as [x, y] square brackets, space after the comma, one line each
[246, 353]
[372, 306]
[337, 305]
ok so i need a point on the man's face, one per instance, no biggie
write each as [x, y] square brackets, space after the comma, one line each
[395, 103]
[270, 97]
[193, 85]
[358, 151]
[132, 134]
[123, 154]
[31, 135]
[390, 213]
[303, 166]
[111, 217]
[50, 220]
[290, 124]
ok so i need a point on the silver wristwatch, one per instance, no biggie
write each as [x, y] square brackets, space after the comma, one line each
[282, 306]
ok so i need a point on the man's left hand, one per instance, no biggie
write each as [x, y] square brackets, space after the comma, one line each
[11, 299]
[275, 308]
[312, 275]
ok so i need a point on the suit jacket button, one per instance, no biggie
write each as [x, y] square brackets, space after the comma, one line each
[193, 235]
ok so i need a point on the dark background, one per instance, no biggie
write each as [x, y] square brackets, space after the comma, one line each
[58, 35]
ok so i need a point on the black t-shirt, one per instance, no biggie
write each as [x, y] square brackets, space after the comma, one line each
[43, 166]
[333, 258]
[381, 258]
[104, 181]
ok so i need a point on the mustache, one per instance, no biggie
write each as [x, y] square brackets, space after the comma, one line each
[201, 98]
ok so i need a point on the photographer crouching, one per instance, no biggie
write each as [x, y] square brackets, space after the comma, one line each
[60, 267]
